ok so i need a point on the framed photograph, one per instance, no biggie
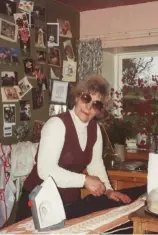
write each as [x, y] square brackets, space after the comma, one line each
[25, 110]
[69, 71]
[64, 28]
[8, 78]
[9, 114]
[68, 50]
[8, 31]
[54, 57]
[52, 34]
[59, 92]
[7, 7]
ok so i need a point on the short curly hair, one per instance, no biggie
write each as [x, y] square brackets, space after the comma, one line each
[93, 84]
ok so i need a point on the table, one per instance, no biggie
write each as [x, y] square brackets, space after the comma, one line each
[143, 222]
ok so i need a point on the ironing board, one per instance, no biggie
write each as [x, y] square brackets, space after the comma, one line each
[94, 223]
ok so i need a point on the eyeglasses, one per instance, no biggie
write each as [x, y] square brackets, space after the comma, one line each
[96, 105]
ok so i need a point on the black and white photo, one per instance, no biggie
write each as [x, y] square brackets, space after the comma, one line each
[52, 34]
[9, 114]
[25, 110]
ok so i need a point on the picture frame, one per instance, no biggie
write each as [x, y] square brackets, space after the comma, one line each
[8, 30]
[52, 34]
[59, 92]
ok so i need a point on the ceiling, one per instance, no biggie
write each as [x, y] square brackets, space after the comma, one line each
[86, 5]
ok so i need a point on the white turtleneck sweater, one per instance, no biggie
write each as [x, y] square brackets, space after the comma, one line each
[51, 144]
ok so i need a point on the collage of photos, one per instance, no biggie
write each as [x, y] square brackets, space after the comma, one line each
[38, 62]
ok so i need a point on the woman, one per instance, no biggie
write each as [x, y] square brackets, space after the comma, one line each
[72, 142]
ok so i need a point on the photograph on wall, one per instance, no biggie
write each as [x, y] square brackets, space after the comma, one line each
[8, 30]
[7, 130]
[53, 74]
[37, 127]
[52, 34]
[40, 37]
[28, 66]
[38, 71]
[42, 84]
[22, 23]
[9, 56]
[68, 50]
[59, 92]
[25, 110]
[9, 114]
[24, 86]
[26, 5]
[7, 7]
[21, 20]
[55, 109]
[54, 57]
[64, 28]
[41, 57]
[69, 71]
[38, 13]
[10, 94]
[8, 78]
[37, 98]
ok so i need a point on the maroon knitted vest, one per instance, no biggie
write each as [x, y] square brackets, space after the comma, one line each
[72, 157]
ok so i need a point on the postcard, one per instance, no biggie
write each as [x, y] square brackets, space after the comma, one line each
[69, 71]
[26, 5]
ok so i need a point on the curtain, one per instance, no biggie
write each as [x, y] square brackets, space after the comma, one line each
[89, 58]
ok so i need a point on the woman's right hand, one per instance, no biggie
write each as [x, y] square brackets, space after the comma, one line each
[94, 185]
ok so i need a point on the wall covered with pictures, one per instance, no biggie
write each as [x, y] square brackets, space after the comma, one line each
[37, 65]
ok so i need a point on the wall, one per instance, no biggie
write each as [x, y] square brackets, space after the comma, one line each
[119, 26]
[54, 11]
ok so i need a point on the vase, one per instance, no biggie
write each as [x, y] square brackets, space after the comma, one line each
[120, 150]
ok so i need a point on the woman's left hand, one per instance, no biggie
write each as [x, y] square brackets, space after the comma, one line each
[117, 196]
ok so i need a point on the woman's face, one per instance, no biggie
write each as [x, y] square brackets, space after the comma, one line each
[85, 111]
